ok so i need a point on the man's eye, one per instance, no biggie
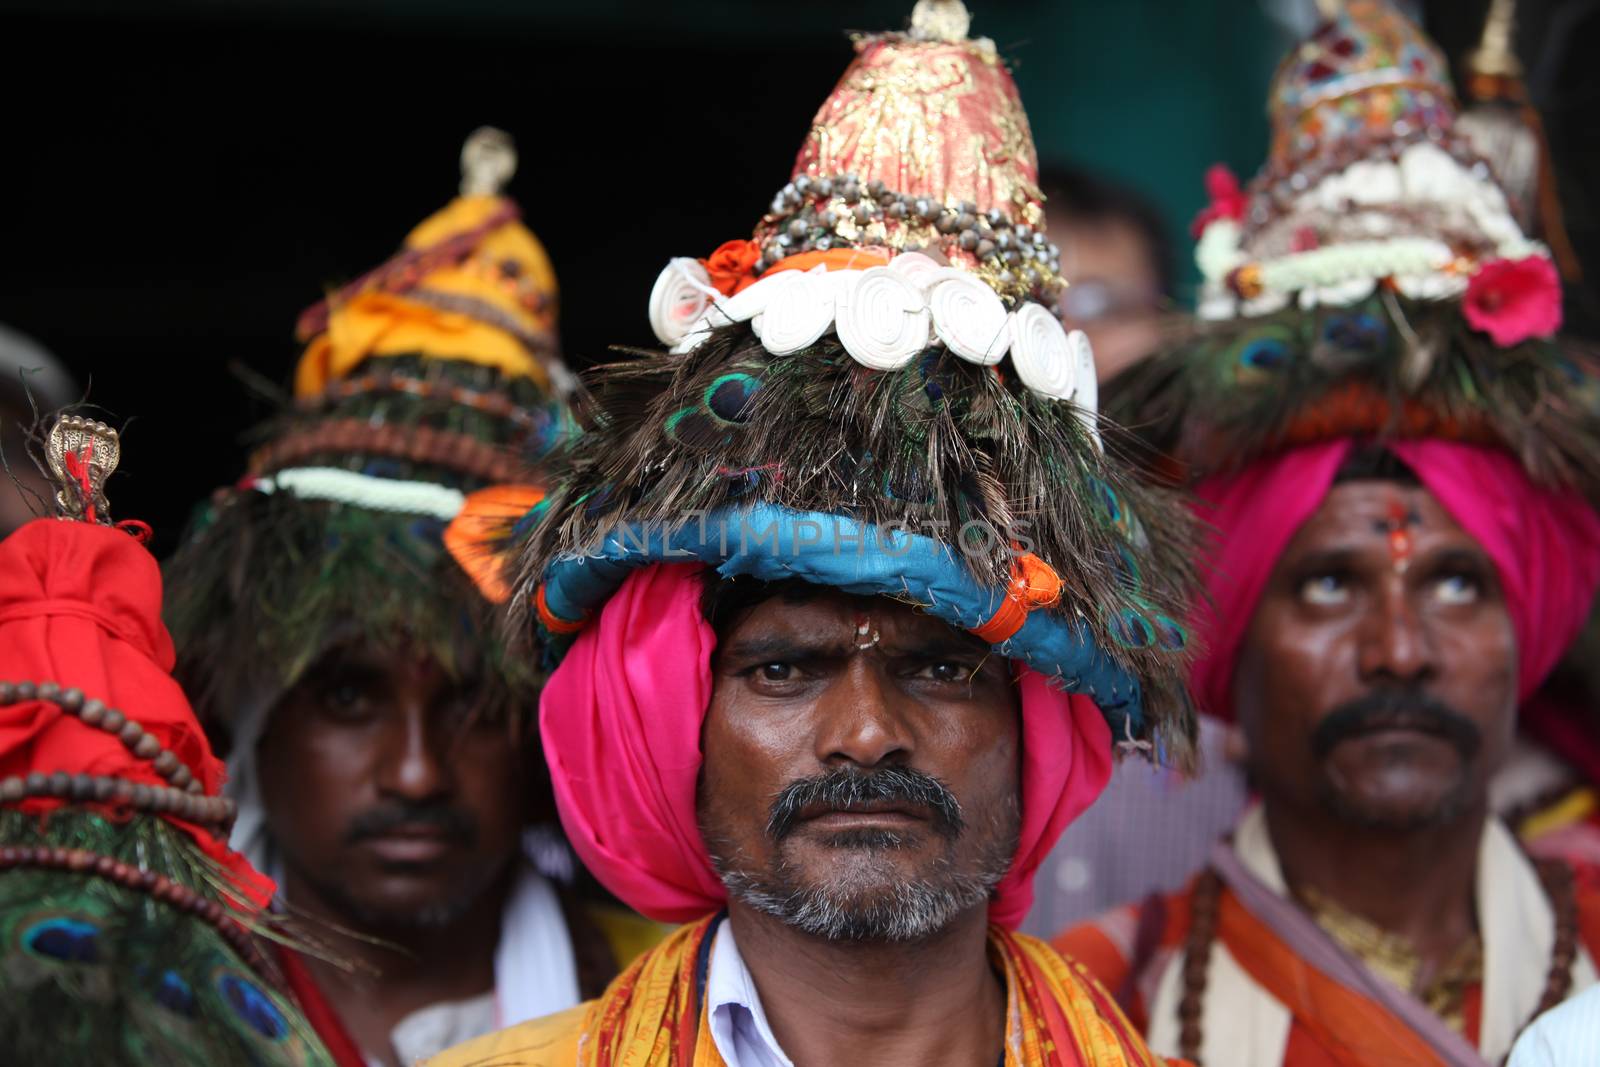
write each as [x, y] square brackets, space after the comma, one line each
[1458, 589]
[344, 698]
[1325, 589]
[948, 671]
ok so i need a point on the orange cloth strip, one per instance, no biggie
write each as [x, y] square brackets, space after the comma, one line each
[832, 259]
[1034, 584]
[553, 622]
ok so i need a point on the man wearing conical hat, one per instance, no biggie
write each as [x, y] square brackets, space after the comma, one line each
[1402, 465]
[381, 737]
[129, 932]
[851, 610]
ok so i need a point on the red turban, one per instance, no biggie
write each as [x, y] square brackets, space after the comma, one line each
[621, 723]
[1545, 544]
[80, 606]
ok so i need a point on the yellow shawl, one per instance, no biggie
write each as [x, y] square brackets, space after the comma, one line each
[1056, 1016]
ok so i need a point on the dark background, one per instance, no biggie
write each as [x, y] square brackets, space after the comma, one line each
[178, 180]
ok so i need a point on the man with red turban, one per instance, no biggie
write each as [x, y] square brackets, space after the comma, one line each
[851, 607]
[128, 928]
[1401, 465]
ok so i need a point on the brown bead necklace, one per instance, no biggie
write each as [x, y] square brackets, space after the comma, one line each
[1556, 877]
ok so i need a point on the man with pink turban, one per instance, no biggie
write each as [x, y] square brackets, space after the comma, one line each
[851, 608]
[1401, 464]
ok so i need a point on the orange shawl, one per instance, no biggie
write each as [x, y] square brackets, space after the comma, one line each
[1057, 1016]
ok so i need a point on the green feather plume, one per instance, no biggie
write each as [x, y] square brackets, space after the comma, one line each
[95, 973]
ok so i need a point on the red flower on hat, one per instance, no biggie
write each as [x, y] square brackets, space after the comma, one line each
[1228, 200]
[1512, 300]
[732, 266]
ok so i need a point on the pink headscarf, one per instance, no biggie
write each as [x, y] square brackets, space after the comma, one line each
[1544, 544]
[621, 721]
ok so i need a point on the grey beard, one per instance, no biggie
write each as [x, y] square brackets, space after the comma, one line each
[855, 907]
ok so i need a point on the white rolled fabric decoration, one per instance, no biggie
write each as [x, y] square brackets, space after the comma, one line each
[752, 299]
[920, 270]
[797, 314]
[1086, 394]
[883, 319]
[698, 333]
[969, 317]
[1040, 353]
[681, 295]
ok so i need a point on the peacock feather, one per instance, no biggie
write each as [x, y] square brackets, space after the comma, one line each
[95, 972]
[263, 584]
[1384, 368]
[940, 446]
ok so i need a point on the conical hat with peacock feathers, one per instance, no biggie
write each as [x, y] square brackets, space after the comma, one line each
[873, 392]
[128, 930]
[422, 381]
[1371, 281]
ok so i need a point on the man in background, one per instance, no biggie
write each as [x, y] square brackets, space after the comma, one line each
[380, 739]
[1117, 259]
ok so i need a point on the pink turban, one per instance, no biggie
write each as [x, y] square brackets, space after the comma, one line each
[1544, 544]
[621, 721]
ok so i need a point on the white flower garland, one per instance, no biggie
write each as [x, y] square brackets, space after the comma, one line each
[1422, 268]
[365, 491]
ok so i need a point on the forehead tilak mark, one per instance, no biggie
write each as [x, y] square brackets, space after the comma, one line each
[1396, 526]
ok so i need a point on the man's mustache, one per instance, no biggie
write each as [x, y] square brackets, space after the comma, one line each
[1403, 709]
[453, 823]
[845, 788]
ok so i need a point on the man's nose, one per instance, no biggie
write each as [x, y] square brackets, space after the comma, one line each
[863, 718]
[414, 761]
[1396, 643]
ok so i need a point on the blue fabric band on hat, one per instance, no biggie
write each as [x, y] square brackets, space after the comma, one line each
[774, 544]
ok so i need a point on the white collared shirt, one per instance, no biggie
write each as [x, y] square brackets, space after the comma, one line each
[738, 1024]
[1569, 1034]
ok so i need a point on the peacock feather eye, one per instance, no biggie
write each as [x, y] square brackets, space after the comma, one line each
[1130, 629]
[1170, 635]
[1357, 331]
[175, 994]
[728, 397]
[253, 1007]
[65, 938]
[1129, 575]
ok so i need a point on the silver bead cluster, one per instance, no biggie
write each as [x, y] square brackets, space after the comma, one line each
[815, 214]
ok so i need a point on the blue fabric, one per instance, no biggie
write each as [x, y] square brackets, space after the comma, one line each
[773, 544]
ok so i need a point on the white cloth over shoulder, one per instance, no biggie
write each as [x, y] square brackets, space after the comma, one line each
[1565, 1035]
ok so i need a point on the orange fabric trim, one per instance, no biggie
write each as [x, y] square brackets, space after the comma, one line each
[1352, 1030]
[553, 622]
[832, 259]
[478, 538]
[1358, 409]
[1034, 584]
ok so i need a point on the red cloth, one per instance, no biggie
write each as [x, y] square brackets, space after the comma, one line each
[1545, 546]
[621, 723]
[80, 605]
